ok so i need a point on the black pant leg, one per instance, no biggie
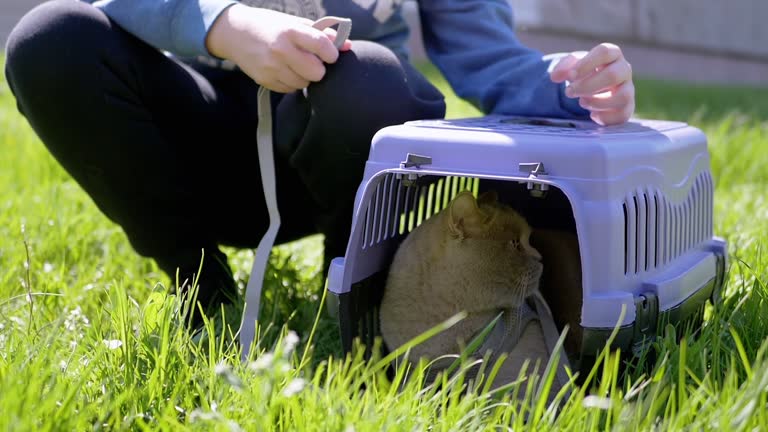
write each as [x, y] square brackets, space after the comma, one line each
[169, 153]
[131, 126]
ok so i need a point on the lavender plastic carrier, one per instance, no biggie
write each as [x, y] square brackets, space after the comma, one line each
[639, 197]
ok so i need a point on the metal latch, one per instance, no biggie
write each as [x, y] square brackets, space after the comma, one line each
[534, 170]
[413, 160]
[646, 319]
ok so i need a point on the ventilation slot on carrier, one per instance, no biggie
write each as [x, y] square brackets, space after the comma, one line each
[396, 209]
[641, 238]
[657, 231]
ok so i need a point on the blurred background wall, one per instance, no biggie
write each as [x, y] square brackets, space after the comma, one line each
[724, 41]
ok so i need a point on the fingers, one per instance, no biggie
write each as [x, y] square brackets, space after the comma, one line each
[306, 65]
[292, 79]
[564, 66]
[279, 87]
[607, 77]
[279, 51]
[300, 55]
[613, 109]
[608, 118]
[602, 81]
[331, 33]
[617, 98]
[315, 42]
[601, 55]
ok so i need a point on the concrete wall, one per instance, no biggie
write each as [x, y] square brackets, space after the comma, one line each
[721, 41]
[697, 40]
[728, 27]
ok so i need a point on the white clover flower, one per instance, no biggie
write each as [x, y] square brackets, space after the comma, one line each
[220, 368]
[223, 370]
[76, 319]
[262, 363]
[113, 343]
[598, 402]
[198, 414]
[294, 387]
[233, 426]
[289, 343]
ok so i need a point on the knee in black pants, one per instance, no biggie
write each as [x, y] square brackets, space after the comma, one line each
[69, 69]
[51, 42]
[367, 89]
[78, 79]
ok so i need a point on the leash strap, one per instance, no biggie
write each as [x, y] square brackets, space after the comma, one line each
[343, 31]
[509, 329]
[551, 335]
[264, 144]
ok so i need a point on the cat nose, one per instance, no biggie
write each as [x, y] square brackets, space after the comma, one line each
[531, 251]
[536, 255]
[527, 248]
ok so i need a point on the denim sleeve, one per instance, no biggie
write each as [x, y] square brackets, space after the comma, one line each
[177, 26]
[473, 44]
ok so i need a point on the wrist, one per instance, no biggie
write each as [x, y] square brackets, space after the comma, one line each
[223, 32]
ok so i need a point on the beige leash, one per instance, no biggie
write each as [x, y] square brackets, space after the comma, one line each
[267, 167]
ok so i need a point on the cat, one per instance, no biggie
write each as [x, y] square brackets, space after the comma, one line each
[473, 256]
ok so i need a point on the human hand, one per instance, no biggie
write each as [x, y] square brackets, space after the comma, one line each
[602, 80]
[281, 52]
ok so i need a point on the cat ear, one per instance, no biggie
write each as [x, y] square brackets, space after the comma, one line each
[464, 214]
[490, 197]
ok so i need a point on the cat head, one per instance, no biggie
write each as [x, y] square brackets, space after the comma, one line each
[494, 239]
[486, 218]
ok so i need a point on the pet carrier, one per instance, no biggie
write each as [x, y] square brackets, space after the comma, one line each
[639, 198]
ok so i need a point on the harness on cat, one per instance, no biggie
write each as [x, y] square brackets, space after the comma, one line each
[507, 332]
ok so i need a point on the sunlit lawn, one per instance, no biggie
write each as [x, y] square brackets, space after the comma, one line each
[97, 343]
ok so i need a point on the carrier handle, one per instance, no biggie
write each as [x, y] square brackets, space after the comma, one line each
[267, 167]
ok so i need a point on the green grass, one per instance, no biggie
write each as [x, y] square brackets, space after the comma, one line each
[97, 345]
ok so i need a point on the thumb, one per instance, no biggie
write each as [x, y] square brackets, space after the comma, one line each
[562, 66]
